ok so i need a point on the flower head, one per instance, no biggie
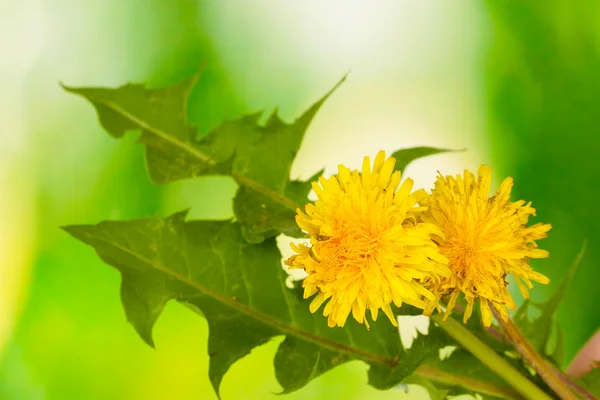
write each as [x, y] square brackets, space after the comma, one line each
[486, 239]
[366, 248]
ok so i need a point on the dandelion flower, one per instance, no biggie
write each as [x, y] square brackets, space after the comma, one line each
[366, 249]
[486, 239]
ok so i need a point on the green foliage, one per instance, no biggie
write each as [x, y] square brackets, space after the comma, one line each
[460, 364]
[434, 392]
[230, 272]
[591, 381]
[544, 334]
[406, 156]
[240, 289]
[258, 157]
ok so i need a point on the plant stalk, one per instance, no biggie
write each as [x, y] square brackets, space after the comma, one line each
[473, 384]
[567, 381]
[561, 375]
[532, 357]
[489, 357]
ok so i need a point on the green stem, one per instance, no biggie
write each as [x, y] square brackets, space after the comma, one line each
[543, 368]
[466, 382]
[489, 357]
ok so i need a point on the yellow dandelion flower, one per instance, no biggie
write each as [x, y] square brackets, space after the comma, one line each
[486, 238]
[366, 248]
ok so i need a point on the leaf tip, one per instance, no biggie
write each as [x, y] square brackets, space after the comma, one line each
[65, 86]
[337, 85]
[70, 89]
[280, 393]
[145, 333]
[216, 384]
[178, 217]
[77, 231]
[273, 118]
[316, 175]
[146, 336]
[65, 228]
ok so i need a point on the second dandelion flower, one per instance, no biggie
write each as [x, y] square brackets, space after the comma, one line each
[374, 242]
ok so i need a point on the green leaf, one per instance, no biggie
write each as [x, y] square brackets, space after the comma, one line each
[462, 373]
[591, 381]
[240, 289]
[543, 329]
[427, 346]
[258, 157]
[406, 156]
[261, 218]
[297, 190]
[432, 390]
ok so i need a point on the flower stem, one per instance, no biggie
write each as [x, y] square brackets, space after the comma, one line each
[561, 375]
[567, 381]
[489, 357]
[473, 384]
[532, 357]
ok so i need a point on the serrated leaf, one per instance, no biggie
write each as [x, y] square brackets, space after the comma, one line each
[297, 190]
[258, 157]
[262, 218]
[539, 332]
[406, 156]
[427, 346]
[240, 289]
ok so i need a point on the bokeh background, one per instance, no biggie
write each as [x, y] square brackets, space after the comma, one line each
[515, 83]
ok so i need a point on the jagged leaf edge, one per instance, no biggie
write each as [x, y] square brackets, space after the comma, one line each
[146, 333]
[129, 122]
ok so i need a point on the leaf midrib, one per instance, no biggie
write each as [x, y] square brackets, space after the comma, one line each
[185, 146]
[282, 326]
[424, 370]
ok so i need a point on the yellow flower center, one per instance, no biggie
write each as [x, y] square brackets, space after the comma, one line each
[485, 240]
[366, 250]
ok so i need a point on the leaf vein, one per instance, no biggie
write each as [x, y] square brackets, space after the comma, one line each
[242, 179]
[264, 318]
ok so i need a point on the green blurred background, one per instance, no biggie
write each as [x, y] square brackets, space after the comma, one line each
[514, 82]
